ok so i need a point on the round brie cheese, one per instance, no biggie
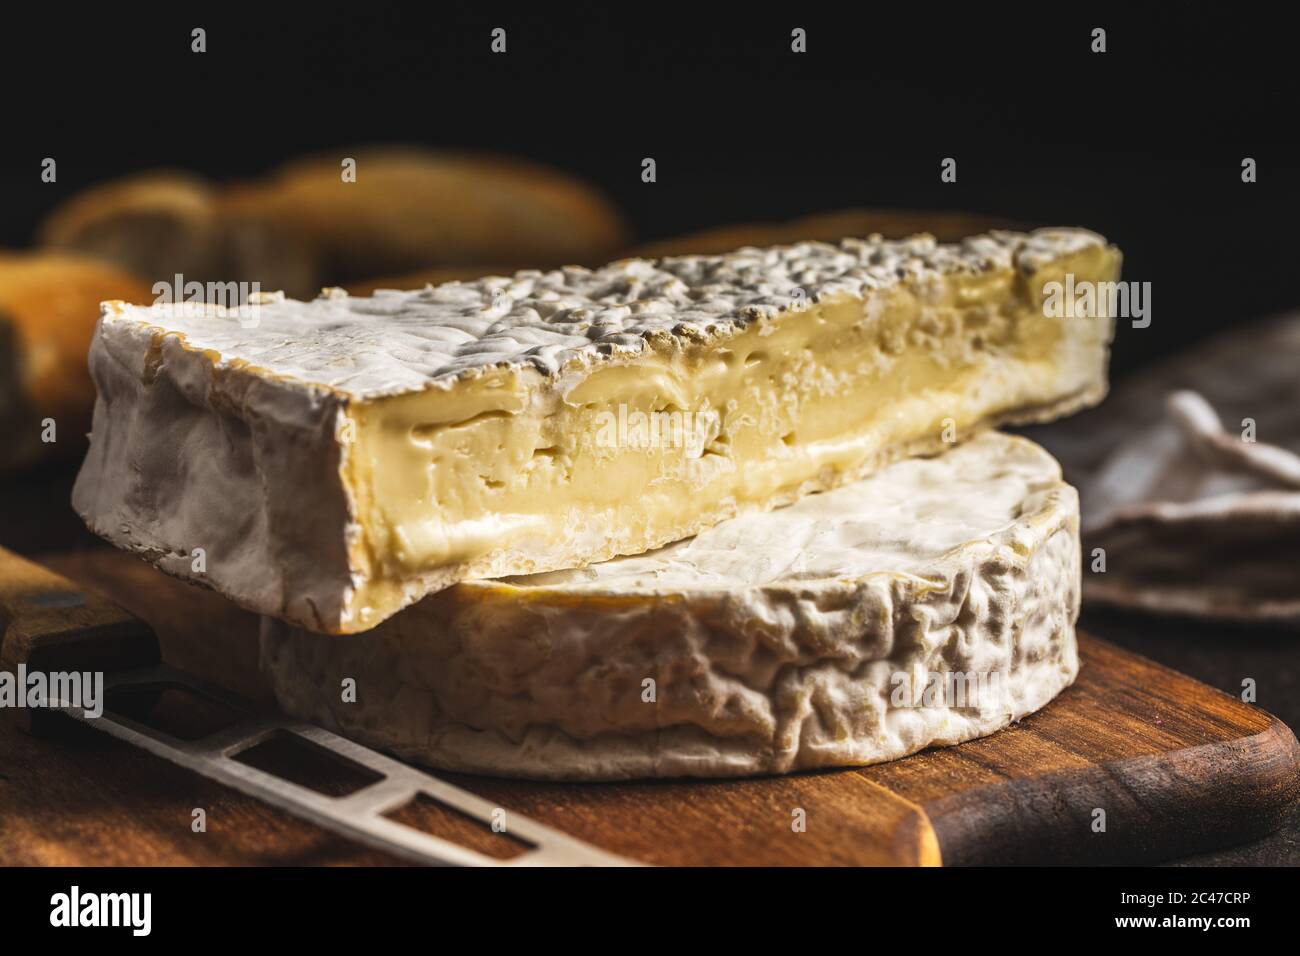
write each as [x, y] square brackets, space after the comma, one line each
[929, 604]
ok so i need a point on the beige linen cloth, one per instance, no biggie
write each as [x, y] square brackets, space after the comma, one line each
[1189, 476]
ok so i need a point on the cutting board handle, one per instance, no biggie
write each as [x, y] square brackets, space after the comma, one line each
[49, 624]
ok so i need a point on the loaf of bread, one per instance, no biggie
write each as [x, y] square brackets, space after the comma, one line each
[161, 224]
[308, 224]
[49, 304]
[410, 209]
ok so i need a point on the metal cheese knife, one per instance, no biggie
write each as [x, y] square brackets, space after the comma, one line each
[48, 626]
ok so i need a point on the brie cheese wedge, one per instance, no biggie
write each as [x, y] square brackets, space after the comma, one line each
[331, 462]
[929, 604]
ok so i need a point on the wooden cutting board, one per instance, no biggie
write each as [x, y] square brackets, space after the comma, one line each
[1175, 766]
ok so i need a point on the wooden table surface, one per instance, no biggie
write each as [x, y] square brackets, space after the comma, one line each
[1172, 762]
[72, 796]
[95, 787]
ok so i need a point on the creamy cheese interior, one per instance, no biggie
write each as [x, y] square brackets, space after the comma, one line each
[336, 460]
[774, 641]
[634, 453]
[900, 521]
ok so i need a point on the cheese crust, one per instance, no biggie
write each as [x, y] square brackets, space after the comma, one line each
[335, 461]
[790, 640]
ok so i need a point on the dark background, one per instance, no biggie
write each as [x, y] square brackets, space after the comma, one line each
[1143, 143]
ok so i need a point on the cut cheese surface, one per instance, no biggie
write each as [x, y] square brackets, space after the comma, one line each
[899, 522]
[772, 642]
[336, 460]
